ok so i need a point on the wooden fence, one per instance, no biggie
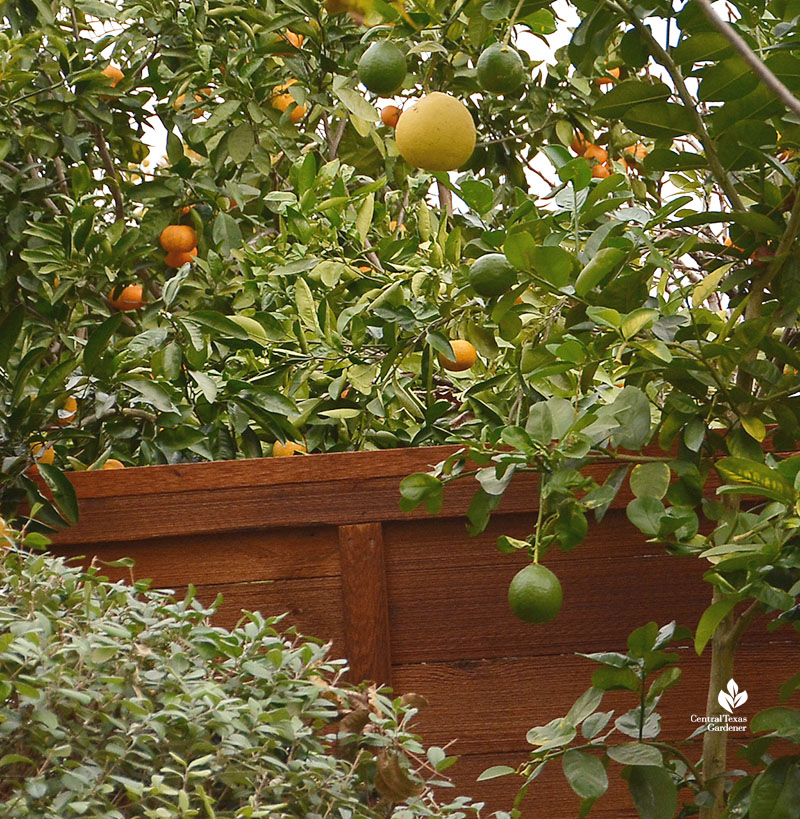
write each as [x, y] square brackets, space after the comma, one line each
[414, 602]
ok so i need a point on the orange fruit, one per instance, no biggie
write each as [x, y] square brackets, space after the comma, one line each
[466, 356]
[635, 153]
[595, 152]
[281, 450]
[393, 226]
[130, 297]
[535, 594]
[114, 74]
[608, 80]
[43, 453]
[390, 114]
[113, 463]
[600, 171]
[282, 99]
[365, 268]
[176, 258]
[185, 209]
[579, 143]
[178, 238]
[67, 413]
[295, 39]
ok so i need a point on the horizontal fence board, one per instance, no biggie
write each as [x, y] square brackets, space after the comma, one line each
[266, 554]
[489, 705]
[549, 797]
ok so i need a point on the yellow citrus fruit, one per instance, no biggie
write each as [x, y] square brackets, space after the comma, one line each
[390, 114]
[43, 453]
[382, 68]
[130, 297]
[67, 413]
[535, 594]
[466, 356]
[492, 275]
[281, 450]
[176, 258]
[500, 69]
[113, 463]
[178, 238]
[114, 74]
[282, 99]
[436, 134]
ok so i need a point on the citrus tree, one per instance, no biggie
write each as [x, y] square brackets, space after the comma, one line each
[587, 260]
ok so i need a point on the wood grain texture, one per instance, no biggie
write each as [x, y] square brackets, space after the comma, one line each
[550, 797]
[266, 554]
[487, 706]
[365, 604]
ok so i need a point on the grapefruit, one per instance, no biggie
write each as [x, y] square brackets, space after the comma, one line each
[436, 134]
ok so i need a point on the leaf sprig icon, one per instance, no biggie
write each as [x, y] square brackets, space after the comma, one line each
[732, 698]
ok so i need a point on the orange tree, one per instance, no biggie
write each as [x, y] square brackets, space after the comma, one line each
[642, 289]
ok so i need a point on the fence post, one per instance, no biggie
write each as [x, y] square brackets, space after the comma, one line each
[365, 602]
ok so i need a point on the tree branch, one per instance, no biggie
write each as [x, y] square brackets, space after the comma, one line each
[751, 58]
[113, 179]
[661, 56]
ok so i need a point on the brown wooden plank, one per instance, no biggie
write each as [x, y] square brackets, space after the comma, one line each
[268, 554]
[365, 611]
[489, 705]
[313, 608]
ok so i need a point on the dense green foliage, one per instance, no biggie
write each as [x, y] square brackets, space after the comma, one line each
[120, 701]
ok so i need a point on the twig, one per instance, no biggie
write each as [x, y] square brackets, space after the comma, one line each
[337, 138]
[751, 58]
[108, 164]
[401, 216]
[62, 178]
[445, 198]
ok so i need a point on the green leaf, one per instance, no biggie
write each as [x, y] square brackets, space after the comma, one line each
[63, 492]
[783, 721]
[654, 792]
[615, 679]
[584, 705]
[553, 264]
[585, 774]
[709, 284]
[617, 102]
[709, 621]
[364, 217]
[240, 142]
[642, 640]
[478, 195]
[494, 772]
[650, 480]
[769, 482]
[660, 120]
[10, 328]
[636, 753]
[98, 341]
[600, 267]
[776, 791]
[705, 46]
[645, 513]
[421, 488]
[726, 80]
[217, 322]
[757, 222]
[152, 392]
[226, 233]
[306, 306]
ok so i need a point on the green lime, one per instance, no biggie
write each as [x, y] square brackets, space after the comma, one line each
[535, 594]
[492, 275]
[382, 68]
[500, 69]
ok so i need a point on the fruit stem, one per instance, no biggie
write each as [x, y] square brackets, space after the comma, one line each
[539, 517]
[507, 35]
